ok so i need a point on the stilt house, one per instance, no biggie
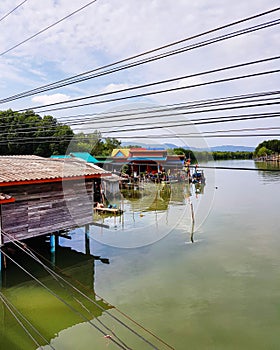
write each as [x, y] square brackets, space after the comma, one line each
[42, 195]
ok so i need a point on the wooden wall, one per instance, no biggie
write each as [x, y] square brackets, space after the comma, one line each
[45, 208]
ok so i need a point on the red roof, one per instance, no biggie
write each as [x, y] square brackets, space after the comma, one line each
[16, 170]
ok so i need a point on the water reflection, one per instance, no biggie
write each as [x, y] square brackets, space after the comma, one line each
[150, 213]
[270, 173]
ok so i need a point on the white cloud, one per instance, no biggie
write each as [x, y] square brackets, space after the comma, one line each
[46, 99]
[114, 87]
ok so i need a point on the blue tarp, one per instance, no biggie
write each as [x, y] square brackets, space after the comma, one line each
[85, 156]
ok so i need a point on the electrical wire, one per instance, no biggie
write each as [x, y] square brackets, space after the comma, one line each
[174, 106]
[171, 80]
[57, 276]
[13, 10]
[47, 28]
[153, 126]
[19, 321]
[62, 300]
[5, 299]
[85, 75]
[111, 115]
[39, 127]
[185, 122]
[238, 168]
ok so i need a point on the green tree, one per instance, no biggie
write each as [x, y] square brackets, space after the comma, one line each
[267, 147]
[28, 133]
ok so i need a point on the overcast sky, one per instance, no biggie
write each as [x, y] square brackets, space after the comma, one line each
[111, 30]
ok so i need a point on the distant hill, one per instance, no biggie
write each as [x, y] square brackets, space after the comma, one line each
[223, 148]
[231, 148]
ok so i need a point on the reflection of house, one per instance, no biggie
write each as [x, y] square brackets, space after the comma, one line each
[50, 194]
[140, 160]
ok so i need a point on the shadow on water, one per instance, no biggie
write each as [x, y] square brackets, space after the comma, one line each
[49, 303]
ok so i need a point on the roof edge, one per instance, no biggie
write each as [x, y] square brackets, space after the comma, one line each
[57, 179]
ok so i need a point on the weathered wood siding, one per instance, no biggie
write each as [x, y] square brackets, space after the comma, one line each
[45, 208]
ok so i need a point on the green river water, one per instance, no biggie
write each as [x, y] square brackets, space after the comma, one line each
[220, 292]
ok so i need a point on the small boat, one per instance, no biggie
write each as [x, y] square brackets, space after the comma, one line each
[198, 177]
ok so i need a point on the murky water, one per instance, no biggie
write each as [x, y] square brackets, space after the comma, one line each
[220, 292]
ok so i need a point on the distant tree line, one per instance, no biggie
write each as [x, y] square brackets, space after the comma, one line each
[216, 155]
[29, 133]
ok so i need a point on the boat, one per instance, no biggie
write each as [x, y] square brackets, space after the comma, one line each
[198, 177]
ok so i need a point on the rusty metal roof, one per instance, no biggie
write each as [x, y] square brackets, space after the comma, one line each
[34, 168]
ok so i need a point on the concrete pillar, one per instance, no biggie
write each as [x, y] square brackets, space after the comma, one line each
[52, 248]
[52, 243]
[1, 242]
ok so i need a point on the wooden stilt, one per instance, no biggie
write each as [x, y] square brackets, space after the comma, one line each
[87, 245]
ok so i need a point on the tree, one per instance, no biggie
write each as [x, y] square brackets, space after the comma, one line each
[94, 144]
[28, 133]
[110, 144]
[267, 148]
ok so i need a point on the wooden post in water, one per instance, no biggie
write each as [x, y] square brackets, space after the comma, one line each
[87, 246]
[192, 229]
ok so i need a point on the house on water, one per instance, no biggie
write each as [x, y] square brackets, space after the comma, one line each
[42, 195]
[141, 160]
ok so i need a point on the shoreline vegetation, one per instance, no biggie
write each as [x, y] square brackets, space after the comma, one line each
[215, 155]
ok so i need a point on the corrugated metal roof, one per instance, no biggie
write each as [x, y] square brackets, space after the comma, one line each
[31, 168]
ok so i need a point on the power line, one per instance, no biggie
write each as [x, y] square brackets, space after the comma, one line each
[153, 125]
[5, 302]
[86, 76]
[237, 168]
[197, 121]
[158, 109]
[15, 311]
[47, 28]
[57, 276]
[189, 122]
[171, 80]
[169, 107]
[62, 300]
[202, 134]
[142, 94]
[13, 10]
[212, 120]
[40, 127]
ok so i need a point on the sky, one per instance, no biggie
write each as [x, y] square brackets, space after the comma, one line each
[106, 31]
